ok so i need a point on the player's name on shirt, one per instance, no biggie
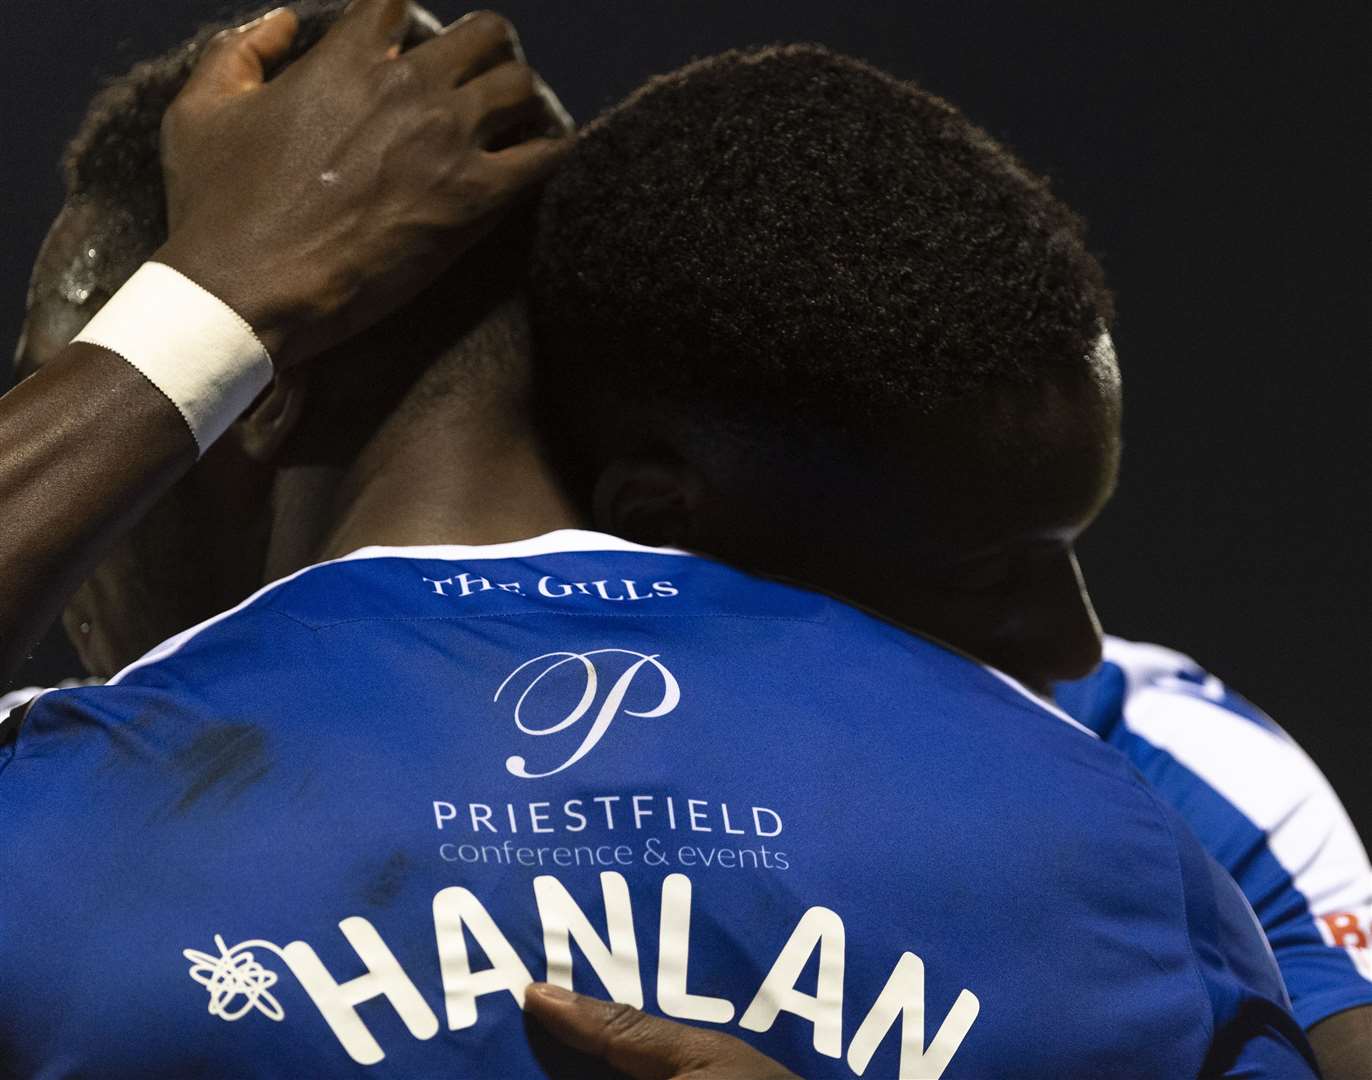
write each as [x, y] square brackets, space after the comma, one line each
[239, 982]
[364, 809]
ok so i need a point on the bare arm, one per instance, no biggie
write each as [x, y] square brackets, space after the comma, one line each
[312, 205]
[86, 446]
[1343, 1044]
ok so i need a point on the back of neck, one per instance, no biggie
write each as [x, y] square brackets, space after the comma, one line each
[448, 481]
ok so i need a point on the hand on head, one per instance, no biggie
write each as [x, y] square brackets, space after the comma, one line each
[318, 201]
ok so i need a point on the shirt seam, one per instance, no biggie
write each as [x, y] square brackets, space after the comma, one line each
[1186, 913]
[1328, 1004]
[518, 614]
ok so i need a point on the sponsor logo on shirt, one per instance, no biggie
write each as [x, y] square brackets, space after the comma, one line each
[566, 701]
[581, 695]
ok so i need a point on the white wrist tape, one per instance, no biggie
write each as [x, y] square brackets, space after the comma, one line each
[190, 344]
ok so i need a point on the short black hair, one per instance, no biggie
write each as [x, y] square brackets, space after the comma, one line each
[791, 237]
[114, 157]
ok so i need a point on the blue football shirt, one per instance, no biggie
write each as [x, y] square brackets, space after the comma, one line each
[1256, 801]
[337, 830]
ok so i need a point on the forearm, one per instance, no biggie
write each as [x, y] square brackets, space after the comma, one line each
[302, 242]
[87, 444]
[1343, 1044]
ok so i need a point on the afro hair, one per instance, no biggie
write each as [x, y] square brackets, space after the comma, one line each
[789, 237]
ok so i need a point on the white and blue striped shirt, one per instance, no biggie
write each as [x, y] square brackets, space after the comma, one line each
[1257, 803]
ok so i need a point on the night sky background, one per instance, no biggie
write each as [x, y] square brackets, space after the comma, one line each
[1220, 153]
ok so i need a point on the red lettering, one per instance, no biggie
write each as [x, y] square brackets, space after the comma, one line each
[1344, 930]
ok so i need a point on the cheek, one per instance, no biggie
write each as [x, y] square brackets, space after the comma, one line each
[1038, 627]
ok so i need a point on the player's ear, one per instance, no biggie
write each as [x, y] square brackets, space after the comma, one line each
[263, 430]
[649, 502]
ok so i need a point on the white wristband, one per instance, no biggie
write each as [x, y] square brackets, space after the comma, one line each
[190, 344]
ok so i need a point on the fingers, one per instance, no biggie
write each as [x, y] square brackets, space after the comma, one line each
[474, 44]
[526, 161]
[367, 28]
[424, 22]
[506, 98]
[529, 163]
[646, 1047]
[234, 61]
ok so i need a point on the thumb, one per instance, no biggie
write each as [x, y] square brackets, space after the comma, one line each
[646, 1047]
[642, 1046]
[235, 60]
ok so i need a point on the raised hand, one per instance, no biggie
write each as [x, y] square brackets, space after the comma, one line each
[312, 204]
[315, 202]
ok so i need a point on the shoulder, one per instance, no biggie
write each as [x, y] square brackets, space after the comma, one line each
[15, 704]
[1256, 801]
[1170, 716]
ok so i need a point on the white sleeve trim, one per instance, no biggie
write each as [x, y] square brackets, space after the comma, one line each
[1271, 781]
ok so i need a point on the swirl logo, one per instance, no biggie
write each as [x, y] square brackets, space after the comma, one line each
[545, 665]
[235, 974]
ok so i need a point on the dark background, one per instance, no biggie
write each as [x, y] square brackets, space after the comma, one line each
[1220, 153]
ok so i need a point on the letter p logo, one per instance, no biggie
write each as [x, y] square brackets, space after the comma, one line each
[611, 707]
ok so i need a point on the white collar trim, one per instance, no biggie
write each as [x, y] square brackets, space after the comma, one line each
[562, 540]
[557, 542]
